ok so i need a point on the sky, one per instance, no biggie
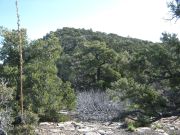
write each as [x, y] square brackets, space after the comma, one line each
[142, 19]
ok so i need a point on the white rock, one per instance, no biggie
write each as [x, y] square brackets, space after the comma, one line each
[115, 125]
[92, 133]
[105, 132]
[160, 130]
[172, 128]
[163, 133]
[101, 131]
[55, 130]
[68, 122]
[61, 125]
[143, 129]
[65, 112]
[44, 123]
[177, 128]
[86, 129]
[69, 128]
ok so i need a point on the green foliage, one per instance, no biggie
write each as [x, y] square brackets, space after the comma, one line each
[152, 80]
[30, 121]
[9, 50]
[131, 124]
[43, 88]
[23, 130]
[30, 118]
[44, 91]
[90, 66]
[10, 56]
[92, 60]
[131, 127]
[140, 96]
[93, 66]
[157, 126]
[69, 99]
[54, 116]
[144, 74]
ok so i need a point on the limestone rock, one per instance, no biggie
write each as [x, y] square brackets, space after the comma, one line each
[143, 129]
[92, 133]
[165, 126]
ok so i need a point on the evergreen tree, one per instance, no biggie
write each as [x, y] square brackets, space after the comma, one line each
[45, 92]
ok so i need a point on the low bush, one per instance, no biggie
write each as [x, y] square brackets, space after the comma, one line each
[53, 116]
[96, 105]
[25, 129]
[25, 125]
[6, 99]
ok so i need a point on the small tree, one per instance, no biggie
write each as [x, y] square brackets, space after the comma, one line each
[45, 92]
[93, 63]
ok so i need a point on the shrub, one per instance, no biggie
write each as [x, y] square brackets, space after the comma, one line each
[53, 116]
[25, 125]
[131, 127]
[96, 105]
[31, 118]
[143, 99]
[25, 129]
[5, 107]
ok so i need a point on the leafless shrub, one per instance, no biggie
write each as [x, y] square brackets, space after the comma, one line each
[96, 105]
[5, 107]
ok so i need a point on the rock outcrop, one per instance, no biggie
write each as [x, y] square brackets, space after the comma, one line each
[165, 126]
[80, 128]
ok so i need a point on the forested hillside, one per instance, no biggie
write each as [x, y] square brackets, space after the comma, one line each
[92, 59]
[87, 76]
[144, 74]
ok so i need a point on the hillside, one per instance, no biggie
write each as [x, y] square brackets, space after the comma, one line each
[103, 77]
[71, 37]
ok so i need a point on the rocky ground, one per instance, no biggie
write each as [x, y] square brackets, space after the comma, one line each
[165, 126]
[168, 126]
[95, 107]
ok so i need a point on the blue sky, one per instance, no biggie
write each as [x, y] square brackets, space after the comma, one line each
[144, 19]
